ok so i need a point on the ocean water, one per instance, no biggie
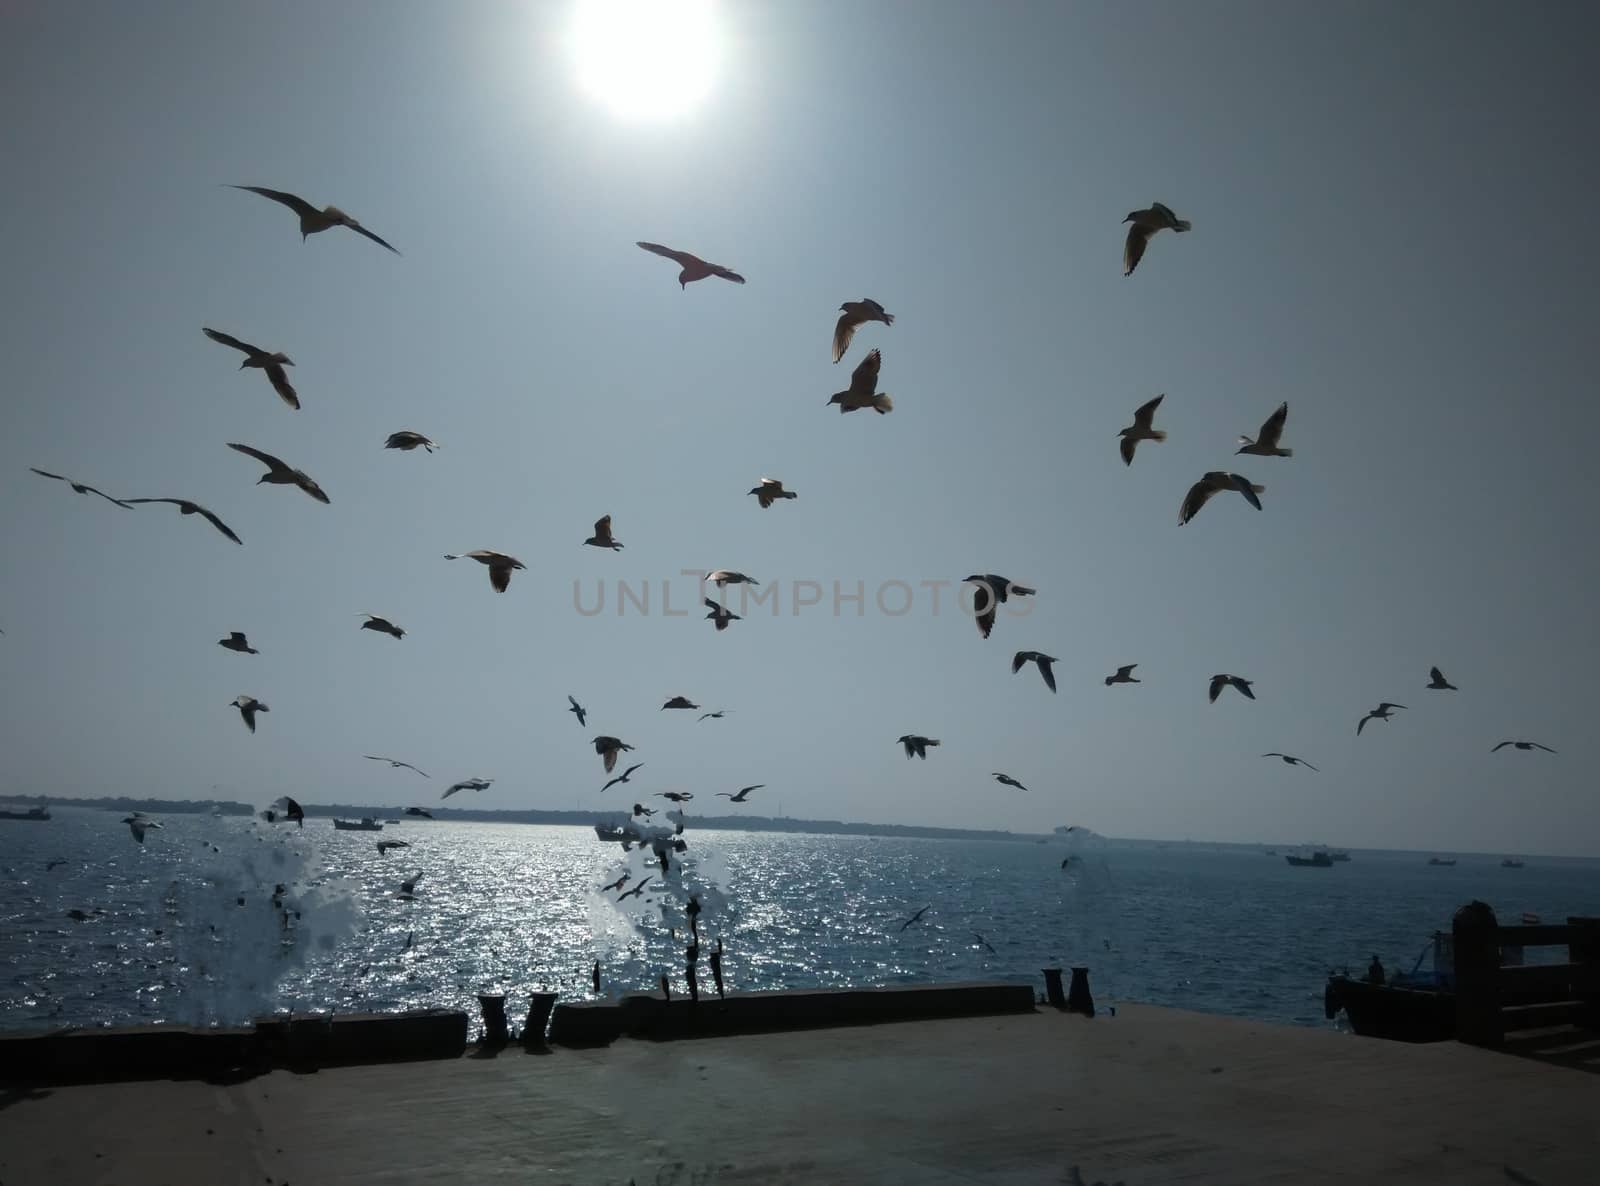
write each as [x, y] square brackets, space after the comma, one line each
[184, 927]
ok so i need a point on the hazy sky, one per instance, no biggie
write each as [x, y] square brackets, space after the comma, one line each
[1390, 232]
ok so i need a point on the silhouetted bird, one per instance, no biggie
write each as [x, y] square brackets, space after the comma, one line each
[419, 811]
[499, 564]
[281, 474]
[744, 793]
[770, 490]
[386, 845]
[1044, 662]
[637, 889]
[236, 641]
[1265, 443]
[676, 796]
[641, 809]
[863, 390]
[185, 507]
[1214, 482]
[1220, 681]
[397, 764]
[623, 777]
[1437, 681]
[722, 617]
[992, 590]
[726, 576]
[1290, 759]
[1381, 713]
[382, 625]
[1007, 780]
[694, 268]
[985, 942]
[1146, 223]
[467, 784]
[916, 744]
[852, 314]
[1523, 745]
[248, 706]
[1140, 429]
[138, 823]
[1124, 676]
[917, 917]
[84, 488]
[577, 711]
[608, 748]
[716, 715]
[602, 537]
[406, 440]
[272, 362]
[679, 702]
[313, 220]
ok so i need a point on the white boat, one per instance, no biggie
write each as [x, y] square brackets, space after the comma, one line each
[366, 824]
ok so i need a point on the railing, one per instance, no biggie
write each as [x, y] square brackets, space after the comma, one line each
[1497, 994]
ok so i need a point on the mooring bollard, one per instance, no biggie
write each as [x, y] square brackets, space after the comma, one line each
[539, 1006]
[494, 1018]
[1078, 998]
[1052, 988]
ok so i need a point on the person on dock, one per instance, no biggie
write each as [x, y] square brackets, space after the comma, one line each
[1375, 973]
[666, 988]
[594, 974]
[716, 969]
[693, 911]
[692, 972]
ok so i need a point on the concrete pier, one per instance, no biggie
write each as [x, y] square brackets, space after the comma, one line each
[1150, 1097]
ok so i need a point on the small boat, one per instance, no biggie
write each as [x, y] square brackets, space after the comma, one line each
[391, 821]
[1446, 861]
[1317, 860]
[33, 813]
[365, 824]
[1511, 863]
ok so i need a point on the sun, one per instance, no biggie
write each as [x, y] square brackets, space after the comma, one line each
[646, 59]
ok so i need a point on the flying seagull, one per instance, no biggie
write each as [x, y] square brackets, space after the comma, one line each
[1265, 443]
[1290, 759]
[679, 702]
[499, 564]
[638, 888]
[726, 576]
[407, 440]
[1523, 745]
[744, 793]
[717, 715]
[623, 777]
[992, 589]
[1145, 224]
[289, 809]
[917, 745]
[1140, 429]
[396, 764]
[576, 710]
[248, 706]
[409, 885]
[385, 845]
[608, 748]
[1007, 780]
[852, 314]
[770, 490]
[236, 641]
[985, 943]
[422, 812]
[83, 488]
[694, 268]
[383, 625]
[1214, 482]
[185, 507]
[467, 784]
[1044, 662]
[675, 796]
[1438, 682]
[313, 220]
[271, 362]
[1381, 713]
[602, 537]
[137, 824]
[280, 474]
[641, 809]
[721, 615]
[917, 917]
[1218, 682]
[1124, 676]
[863, 390]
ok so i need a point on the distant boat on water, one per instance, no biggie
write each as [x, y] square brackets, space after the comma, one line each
[38, 814]
[1511, 863]
[365, 824]
[1441, 860]
[1319, 859]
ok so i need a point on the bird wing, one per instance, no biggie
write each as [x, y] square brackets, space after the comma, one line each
[266, 459]
[279, 378]
[1048, 672]
[1362, 724]
[1546, 748]
[1218, 682]
[216, 335]
[214, 521]
[1436, 675]
[298, 205]
[1128, 670]
[1199, 494]
[1306, 764]
[1388, 704]
[682, 258]
[1133, 249]
[1244, 687]
[123, 503]
[864, 379]
[307, 483]
[602, 527]
[500, 577]
[44, 473]
[1243, 486]
[725, 273]
[361, 230]
[1019, 659]
[1127, 445]
[1147, 412]
[1273, 428]
[843, 332]
[1274, 754]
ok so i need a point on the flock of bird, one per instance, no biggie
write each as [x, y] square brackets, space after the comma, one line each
[861, 393]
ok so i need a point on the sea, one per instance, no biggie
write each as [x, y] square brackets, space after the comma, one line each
[221, 919]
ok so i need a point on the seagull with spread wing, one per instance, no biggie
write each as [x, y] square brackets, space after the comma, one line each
[236, 641]
[1290, 759]
[744, 793]
[852, 314]
[1124, 676]
[917, 917]
[499, 564]
[917, 745]
[270, 361]
[1529, 745]
[248, 706]
[312, 220]
[1265, 443]
[280, 473]
[1145, 224]
[1223, 680]
[577, 710]
[467, 784]
[1214, 482]
[623, 777]
[694, 268]
[770, 490]
[396, 764]
[185, 507]
[1007, 780]
[406, 440]
[993, 590]
[381, 625]
[679, 702]
[1044, 663]
[138, 823]
[602, 537]
[863, 390]
[1382, 713]
[84, 488]
[721, 615]
[608, 748]
[1140, 429]
[1438, 683]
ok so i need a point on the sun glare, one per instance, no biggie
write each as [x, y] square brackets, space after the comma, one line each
[646, 59]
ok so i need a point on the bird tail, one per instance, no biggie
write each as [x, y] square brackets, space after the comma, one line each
[1258, 489]
[933, 741]
[1183, 224]
[1285, 452]
[882, 403]
[1158, 434]
[888, 319]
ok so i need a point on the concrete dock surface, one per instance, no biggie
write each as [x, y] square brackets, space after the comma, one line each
[1150, 1097]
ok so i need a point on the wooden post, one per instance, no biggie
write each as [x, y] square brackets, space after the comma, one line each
[1078, 998]
[1052, 988]
[493, 1006]
[1476, 934]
